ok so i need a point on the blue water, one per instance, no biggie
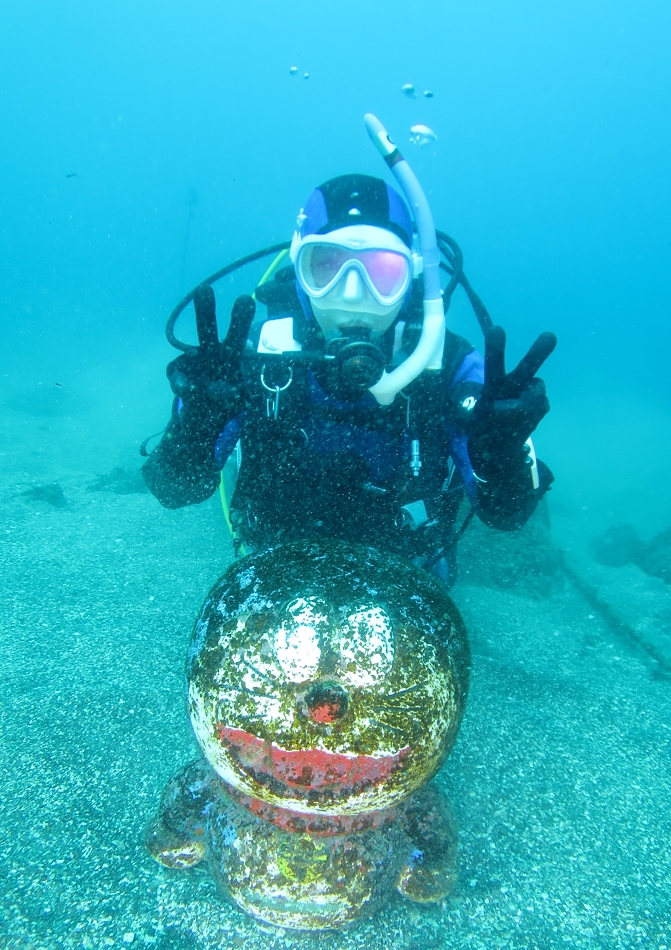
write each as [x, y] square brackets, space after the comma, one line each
[144, 145]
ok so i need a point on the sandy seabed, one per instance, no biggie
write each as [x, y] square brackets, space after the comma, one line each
[560, 780]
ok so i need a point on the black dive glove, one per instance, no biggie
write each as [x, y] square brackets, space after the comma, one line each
[208, 381]
[509, 408]
[208, 378]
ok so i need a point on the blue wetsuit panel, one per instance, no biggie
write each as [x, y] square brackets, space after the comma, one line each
[383, 452]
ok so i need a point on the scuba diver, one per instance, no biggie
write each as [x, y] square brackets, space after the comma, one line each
[353, 412]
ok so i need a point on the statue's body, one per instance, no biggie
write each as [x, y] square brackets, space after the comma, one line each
[326, 686]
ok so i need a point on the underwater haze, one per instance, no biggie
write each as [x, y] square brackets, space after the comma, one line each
[144, 146]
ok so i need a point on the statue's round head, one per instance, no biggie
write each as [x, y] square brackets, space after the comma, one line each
[327, 678]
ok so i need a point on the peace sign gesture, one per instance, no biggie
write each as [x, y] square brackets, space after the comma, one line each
[500, 385]
[511, 404]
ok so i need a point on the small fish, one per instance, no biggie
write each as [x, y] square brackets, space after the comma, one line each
[428, 94]
[293, 70]
[409, 90]
[71, 175]
[422, 135]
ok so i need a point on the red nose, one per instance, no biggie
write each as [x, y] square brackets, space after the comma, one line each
[326, 702]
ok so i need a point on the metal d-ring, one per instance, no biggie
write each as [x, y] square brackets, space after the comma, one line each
[273, 402]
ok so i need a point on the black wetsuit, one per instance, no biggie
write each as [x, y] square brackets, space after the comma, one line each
[330, 465]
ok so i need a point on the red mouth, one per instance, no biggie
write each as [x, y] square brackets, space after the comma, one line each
[307, 770]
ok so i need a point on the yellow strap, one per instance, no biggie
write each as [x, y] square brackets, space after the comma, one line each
[227, 513]
[271, 270]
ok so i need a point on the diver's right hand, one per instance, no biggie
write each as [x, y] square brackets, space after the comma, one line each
[208, 381]
[209, 377]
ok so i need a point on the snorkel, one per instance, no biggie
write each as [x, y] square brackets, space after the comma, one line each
[428, 354]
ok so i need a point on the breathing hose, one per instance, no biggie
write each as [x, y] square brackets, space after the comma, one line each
[193, 294]
[428, 354]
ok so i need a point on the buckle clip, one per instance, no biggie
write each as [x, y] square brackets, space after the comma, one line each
[273, 399]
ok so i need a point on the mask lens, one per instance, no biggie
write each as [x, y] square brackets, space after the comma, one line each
[321, 263]
[386, 269]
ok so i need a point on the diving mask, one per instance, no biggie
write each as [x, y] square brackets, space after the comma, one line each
[381, 259]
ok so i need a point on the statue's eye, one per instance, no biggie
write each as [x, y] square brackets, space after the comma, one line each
[298, 636]
[365, 644]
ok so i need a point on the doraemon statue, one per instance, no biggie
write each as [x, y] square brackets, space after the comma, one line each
[326, 685]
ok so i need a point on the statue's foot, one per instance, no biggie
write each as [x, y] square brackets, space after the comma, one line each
[176, 836]
[171, 849]
[431, 871]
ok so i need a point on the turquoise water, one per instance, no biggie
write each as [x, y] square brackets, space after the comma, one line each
[144, 146]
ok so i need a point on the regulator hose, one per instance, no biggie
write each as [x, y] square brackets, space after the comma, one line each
[199, 291]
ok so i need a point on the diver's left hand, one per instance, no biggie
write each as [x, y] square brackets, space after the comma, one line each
[511, 404]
